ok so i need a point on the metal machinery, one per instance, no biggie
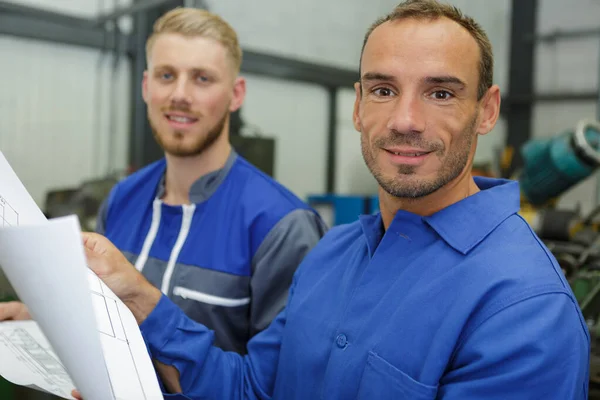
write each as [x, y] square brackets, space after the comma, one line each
[254, 146]
[555, 165]
[83, 201]
[551, 168]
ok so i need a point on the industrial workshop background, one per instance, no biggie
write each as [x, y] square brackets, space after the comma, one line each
[72, 120]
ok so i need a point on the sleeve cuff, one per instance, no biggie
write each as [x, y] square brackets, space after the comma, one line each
[158, 328]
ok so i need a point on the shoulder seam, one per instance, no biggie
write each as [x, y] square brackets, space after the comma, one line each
[541, 247]
[501, 305]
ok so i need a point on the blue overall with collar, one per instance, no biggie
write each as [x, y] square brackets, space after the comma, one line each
[464, 304]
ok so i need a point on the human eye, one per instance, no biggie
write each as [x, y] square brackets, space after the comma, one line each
[383, 92]
[165, 76]
[202, 78]
[441, 95]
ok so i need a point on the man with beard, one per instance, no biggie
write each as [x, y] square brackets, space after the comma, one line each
[446, 293]
[211, 231]
[221, 239]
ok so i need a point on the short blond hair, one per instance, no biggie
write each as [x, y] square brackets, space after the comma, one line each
[193, 22]
[433, 9]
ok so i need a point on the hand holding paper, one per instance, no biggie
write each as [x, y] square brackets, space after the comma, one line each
[82, 335]
[14, 311]
[120, 276]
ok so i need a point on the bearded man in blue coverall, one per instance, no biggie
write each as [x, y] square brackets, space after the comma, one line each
[446, 293]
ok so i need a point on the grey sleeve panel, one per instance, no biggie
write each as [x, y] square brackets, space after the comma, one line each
[276, 261]
[101, 218]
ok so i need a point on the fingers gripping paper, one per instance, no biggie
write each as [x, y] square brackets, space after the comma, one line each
[81, 335]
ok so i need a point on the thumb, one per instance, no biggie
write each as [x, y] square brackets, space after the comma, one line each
[93, 242]
[13, 310]
[97, 262]
[95, 253]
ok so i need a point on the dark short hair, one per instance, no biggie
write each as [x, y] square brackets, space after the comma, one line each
[432, 10]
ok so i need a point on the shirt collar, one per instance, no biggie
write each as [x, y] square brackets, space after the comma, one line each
[206, 185]
[463, 225]
[372, 228]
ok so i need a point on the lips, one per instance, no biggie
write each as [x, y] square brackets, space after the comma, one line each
[408, 152]
[181, 119]
[407, 156]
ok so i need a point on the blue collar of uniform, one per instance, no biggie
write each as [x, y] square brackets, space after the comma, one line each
[206, 185]
[463, 225]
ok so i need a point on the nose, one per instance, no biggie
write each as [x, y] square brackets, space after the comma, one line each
[181, 91]
[407, 115]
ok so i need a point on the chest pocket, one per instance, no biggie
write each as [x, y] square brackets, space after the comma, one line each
[382, 381]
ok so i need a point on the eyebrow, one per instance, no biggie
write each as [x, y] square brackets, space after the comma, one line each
[444, 79]
[195, 70]
[376, 76]
[163, 66]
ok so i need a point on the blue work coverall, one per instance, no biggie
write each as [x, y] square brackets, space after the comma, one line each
[464, 304]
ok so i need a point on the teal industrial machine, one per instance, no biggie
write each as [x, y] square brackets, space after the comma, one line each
[553, 166]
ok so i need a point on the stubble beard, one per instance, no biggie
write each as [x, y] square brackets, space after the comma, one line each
[405, 184]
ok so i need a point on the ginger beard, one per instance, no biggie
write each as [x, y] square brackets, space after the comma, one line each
[177, 143]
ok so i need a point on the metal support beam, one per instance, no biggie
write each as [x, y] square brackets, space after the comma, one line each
[140, 127]
[295, 70]
[521, 73]
[556, 97]
[550, 98]
[54, 31]
[559, 97]
[564, 35]
[133, 9]
[143, 149]
[331, 140]
[44, 15]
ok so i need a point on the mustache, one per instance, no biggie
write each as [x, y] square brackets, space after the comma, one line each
[410, 140]
[180, 107]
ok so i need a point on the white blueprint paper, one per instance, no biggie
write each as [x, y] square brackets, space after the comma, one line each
[83, 336]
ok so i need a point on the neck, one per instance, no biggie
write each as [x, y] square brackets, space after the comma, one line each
[455, 191]
[182, 172]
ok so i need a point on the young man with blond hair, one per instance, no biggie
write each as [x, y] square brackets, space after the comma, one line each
[221, 239]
